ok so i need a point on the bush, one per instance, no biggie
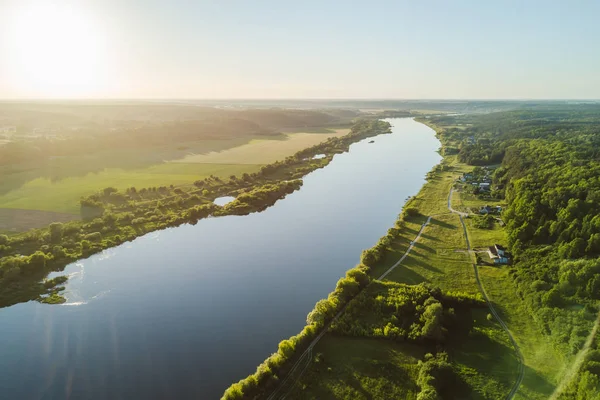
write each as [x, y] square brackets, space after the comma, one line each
[411, 212]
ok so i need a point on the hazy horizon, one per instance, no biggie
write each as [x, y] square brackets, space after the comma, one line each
[267, 50]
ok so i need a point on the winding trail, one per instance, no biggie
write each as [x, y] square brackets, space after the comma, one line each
[306, 356]
[452, 210]
[521, 368]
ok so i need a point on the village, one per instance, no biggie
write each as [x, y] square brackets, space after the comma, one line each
[476, 187]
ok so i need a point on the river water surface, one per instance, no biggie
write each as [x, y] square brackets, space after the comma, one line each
[184, 312]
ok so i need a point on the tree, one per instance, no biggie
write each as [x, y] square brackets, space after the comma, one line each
[3, 240]
[411, 212]
[593, 287]
[359, 276]
[593, 245]
[432, 319]
[286, 348]
[552, 298]
[109, 190]
[348, 288]
[85, 246]
[12, 273]
[324, 310]
[37, 262]
[56, 232]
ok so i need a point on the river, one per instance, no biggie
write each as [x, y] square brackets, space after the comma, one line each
[184, 312]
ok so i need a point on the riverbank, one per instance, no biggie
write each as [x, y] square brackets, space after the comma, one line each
[436, 260]
[485, 361]
[336, 367]
[113, 217]
[207, 303]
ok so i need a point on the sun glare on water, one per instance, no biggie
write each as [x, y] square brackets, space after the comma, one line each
[56, 51]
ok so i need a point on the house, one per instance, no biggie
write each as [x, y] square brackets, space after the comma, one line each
[466, 177]
[500, 250]
[498, 254]
[490, 210]
[484, 186]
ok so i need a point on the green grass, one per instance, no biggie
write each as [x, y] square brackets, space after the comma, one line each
[468, 202]
[58, 185]
[431, 199]
[16, 220]
[481, 238]
[439, 258]
[264, 151]
[486, 360]
[63, 195]
[358, 368]
[543, 365]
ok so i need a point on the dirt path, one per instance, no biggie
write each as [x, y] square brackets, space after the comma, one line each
[521, 369]
[306, 356]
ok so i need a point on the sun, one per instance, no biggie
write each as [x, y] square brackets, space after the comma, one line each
[56, 51]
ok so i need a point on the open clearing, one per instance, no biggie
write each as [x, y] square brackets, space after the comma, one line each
[59, 186]
[63, 195]
[264, 151]
[15, 220]
[356, 368]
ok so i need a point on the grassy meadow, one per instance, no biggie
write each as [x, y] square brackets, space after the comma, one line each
[261, 151]
[356, 368]
[54, 190]
[346, 368]
[367, 368]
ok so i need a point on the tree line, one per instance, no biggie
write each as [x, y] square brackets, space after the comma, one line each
[550, 177]
[112, 217]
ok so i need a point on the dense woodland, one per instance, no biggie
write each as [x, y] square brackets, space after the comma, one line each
[111, 217]
[550, 177]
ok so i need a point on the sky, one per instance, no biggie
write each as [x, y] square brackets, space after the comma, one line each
[180, 49]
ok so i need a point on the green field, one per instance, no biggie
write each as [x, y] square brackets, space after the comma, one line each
[58, 186]
[63, 195]
[359, 368]
[264, 151]
[439, 258]
[543, 365]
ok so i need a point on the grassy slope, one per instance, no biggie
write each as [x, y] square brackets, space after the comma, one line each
[32, 189]
[357, 368]
[485, 361]
[543, 364]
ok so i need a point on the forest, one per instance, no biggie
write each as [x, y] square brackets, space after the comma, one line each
[549, 175]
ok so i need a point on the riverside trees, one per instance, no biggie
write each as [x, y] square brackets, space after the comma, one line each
[111, 217]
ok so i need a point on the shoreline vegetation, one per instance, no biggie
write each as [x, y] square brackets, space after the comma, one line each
[112, 217]
[427, 315]
[548, 294]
